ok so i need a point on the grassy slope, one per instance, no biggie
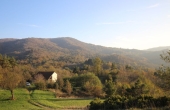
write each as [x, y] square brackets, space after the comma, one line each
[38, 100]
[48, 99]
[20, 103]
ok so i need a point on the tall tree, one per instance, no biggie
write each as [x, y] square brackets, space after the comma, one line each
[5, 62]
[68, 87]
[109, 88]
[97, 65]
[60, 83]
[13, 62]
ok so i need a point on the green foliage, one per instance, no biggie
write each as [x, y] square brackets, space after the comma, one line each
[88, 83]
[97, 65]
[68, 87]
[116, 102]
[128, 67]
[40, 85]
[76, 70]
[60, 83]
[123, 102]
[136, 90]
[96, 104]
[10, 79]
[148, 102]
[51, 85]
[113, 75]
[31, 88]
[109, 88]
[7, 62]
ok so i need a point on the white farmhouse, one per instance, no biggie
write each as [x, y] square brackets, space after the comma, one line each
[49, 76]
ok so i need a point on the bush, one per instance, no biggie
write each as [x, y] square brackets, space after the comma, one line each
[96, 104]
[162, 101]
[31, 88]
[116, 102]
[88, 83]
[39, 82]
[149, 102]
[51, 85]
[122, 102]
[40, 85]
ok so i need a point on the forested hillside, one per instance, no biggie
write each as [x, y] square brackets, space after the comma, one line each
[86, 70]
[71, 50]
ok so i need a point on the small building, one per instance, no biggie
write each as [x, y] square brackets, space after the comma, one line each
[49, 76]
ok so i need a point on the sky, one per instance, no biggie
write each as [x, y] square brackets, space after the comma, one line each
[129, 24]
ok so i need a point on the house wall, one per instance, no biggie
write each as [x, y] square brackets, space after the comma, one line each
[54, 77]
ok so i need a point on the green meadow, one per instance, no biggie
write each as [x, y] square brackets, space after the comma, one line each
[39, 100]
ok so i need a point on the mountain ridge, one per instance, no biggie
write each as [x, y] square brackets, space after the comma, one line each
[73, 50]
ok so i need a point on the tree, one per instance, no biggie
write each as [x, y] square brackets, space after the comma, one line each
[68, 87]
[0, 75]
[10, 75]
[138, 89]
[76, 70]
[91, 84]
[114, 66]
[10, 80]
[166, 56]
[109, 88]
[13, 62]
[39, 82]
[7, 62]
[97, 65]
[164, 71]
[88, 84]
[60, 83]
[113, 74]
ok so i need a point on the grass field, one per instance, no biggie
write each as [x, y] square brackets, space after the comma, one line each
[38, 100]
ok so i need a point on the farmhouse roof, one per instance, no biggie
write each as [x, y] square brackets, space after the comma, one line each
[46, 74]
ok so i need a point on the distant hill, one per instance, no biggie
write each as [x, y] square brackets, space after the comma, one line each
[159, 48]
[7, 39]
[74, 51]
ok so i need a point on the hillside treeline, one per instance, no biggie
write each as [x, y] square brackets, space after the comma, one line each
[122, 86]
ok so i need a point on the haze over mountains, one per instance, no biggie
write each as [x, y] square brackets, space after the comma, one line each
[74, 51]
[159, 48]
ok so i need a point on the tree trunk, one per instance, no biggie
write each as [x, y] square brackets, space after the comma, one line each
[12, 94]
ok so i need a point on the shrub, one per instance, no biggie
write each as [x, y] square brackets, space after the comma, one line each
[122, 102]
[39, 82]
[51, 85]
[96, 104]
[116, 102]
[40, 85]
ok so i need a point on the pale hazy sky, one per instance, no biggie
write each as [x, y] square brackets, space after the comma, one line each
[138, 24]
